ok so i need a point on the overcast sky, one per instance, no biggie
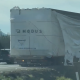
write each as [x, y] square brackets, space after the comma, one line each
[6, 5]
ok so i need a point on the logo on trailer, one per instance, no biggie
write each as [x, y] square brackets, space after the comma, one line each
[17, 30]
[21, 42]
[28, 31]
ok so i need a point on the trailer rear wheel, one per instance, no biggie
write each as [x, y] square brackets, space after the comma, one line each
[11, 61]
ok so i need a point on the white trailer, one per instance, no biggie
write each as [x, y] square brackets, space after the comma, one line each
[35, 35]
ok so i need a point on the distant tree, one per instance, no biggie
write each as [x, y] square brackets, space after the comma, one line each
[1, 47]
[5, 42]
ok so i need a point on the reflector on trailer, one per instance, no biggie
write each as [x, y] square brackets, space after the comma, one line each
[22, 60]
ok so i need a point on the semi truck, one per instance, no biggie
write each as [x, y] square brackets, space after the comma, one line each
[5, 56]
[38, 35]
[5, 49]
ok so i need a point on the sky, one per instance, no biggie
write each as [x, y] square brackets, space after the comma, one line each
[6, 5]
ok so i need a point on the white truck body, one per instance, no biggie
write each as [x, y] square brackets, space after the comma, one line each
[39, 34]
[42, 32]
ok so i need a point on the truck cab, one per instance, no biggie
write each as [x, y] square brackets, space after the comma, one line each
[5, 56]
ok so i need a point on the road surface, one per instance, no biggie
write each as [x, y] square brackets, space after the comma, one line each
[4, 67]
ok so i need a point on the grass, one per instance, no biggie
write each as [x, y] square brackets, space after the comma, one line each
[34, 74]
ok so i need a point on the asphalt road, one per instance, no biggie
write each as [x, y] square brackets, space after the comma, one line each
[4, 67]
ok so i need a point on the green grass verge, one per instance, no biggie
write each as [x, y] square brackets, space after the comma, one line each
[34, 74]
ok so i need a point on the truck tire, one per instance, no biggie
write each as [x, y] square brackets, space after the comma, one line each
[11, 61]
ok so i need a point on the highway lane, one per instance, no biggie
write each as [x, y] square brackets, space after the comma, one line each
[4, 67]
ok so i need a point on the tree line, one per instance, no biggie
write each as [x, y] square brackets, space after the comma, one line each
[5, 42]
